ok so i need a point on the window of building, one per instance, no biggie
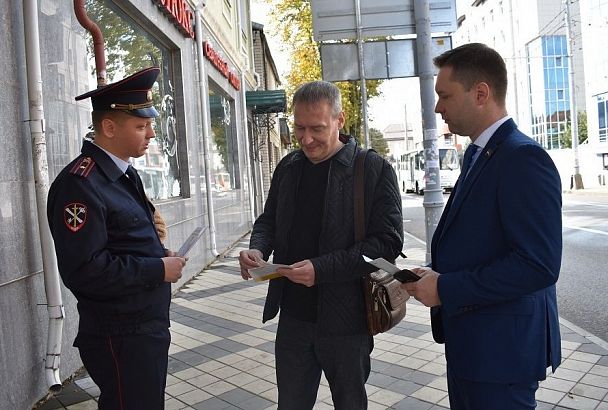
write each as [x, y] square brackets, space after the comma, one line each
[227, 11]
[602, 116]
[129, 48]
[548, 84]
[224, 150]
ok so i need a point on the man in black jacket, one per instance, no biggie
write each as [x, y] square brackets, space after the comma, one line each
[308, 222]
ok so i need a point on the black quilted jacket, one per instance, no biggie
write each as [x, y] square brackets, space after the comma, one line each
[339, 269]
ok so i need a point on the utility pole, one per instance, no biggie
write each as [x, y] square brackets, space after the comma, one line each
[578, 180]
[362, 73]
[407, 142]
[514, 61]
[433, 193]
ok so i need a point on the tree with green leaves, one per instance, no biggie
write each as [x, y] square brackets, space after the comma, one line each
[378, 142]
[565, 138]
[127, 48]
[293, 18]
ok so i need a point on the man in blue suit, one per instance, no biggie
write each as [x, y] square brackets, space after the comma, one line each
[496, 252]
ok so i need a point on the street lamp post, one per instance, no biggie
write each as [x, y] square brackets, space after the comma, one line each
[578, 179]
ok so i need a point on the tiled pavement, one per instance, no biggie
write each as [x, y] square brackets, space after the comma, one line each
[222, 356]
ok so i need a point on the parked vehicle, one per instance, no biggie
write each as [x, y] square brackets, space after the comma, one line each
[410, 169]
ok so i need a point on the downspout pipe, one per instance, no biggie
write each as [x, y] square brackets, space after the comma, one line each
[52, 286]
[247, 147]
[202, 89]
[98, 44]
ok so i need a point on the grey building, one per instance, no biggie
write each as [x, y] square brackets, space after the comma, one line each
[197, 170]
[531, 37]
[270, 138]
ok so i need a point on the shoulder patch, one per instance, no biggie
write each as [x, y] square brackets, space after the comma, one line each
[83, 167]
[75, 216]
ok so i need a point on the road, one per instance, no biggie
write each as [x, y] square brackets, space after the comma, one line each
[582, 288]
[583, 284]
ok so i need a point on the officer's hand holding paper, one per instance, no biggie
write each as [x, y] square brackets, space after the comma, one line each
[189, 243]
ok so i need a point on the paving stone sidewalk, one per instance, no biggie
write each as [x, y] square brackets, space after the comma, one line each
[222, 356]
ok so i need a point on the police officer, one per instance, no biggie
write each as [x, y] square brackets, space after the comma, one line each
[109, 252]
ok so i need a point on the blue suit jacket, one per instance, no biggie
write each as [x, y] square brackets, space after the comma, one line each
[498, 248]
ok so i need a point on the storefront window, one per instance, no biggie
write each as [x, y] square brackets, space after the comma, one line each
[129, 48]
[228, 184]
[224, 159]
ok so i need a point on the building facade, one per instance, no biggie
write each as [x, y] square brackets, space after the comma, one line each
[397, 140]
[270, 139]
[594, 23]
[532, 38]
[197, 170]
[549, 96]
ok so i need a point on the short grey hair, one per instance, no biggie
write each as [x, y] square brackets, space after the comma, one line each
[317, 91]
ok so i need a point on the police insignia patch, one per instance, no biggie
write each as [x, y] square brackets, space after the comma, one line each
[75, 216]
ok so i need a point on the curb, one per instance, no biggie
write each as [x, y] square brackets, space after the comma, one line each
[582, 332]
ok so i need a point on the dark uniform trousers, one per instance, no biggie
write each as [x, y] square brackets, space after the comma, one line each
[130, 370]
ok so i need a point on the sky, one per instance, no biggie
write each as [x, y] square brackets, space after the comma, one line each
[260, 13]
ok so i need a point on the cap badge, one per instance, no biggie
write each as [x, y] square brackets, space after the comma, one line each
[149, 95]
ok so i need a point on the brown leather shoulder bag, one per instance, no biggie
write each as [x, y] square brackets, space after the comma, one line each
[384, 298]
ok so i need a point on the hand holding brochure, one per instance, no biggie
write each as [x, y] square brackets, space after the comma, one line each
[189, 243]
[266, 271]
[382, 263]
[402, 275]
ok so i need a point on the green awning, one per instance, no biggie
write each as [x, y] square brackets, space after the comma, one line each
[266, 101]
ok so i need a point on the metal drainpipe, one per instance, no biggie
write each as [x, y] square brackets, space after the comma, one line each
[52, 287]
[98, 44]
[204, 108]
[247, 152]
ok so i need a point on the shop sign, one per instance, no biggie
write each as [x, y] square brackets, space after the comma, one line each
[221, 65]
[180, 14]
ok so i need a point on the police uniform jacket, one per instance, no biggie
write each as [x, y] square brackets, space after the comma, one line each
[108, 251]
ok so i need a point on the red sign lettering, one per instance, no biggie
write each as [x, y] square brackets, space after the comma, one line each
[221, 65]
[180, 13]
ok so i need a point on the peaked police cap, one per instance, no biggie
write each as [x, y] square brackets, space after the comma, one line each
[132, 94]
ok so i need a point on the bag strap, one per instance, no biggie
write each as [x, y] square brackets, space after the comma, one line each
[358, 195]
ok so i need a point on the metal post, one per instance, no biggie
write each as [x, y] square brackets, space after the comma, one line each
[204, 98]
[247, 145]
[433, 193]
[52, 287]
[407, 142]
[514, 61]
[578, 180]
[362, 73]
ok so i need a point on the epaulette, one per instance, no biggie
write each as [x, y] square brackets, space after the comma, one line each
[83, 167]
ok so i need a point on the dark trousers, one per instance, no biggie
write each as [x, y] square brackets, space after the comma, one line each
[471, 395]
[130, 370]
[301, 354]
